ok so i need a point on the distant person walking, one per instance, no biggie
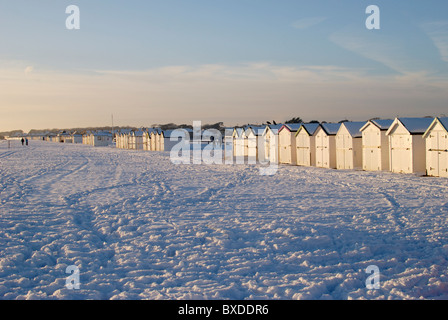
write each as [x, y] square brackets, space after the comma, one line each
[26, 141]
[23, 140]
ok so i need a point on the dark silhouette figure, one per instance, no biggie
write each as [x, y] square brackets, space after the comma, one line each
[23, 140]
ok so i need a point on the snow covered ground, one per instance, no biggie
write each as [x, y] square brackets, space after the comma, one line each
[139, 227]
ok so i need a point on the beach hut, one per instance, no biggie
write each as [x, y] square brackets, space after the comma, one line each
[153, 136]
[375, 145]
[136, 140]
[65, 137]
[436, 138]
[228, 144]
[287, 143]
[167, 140]
[271, 145]
[306, 144]
[253, 134]
[97, 139]
[244, 142]
[119, 140]
[325, 148]
[146, 139]
[349, 146]
[77, 137]
[238, 142]
[101, 139]
[406, 144]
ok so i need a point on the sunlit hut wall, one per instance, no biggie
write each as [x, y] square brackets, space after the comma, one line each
[238, 140]
[146, 140]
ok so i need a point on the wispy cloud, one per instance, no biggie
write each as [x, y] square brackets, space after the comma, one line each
[306, 23]
[438, 32]
[392, 51]
[29, 69]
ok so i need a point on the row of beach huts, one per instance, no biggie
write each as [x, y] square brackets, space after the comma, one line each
[401, 145]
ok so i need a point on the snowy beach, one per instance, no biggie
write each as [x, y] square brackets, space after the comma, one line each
[139, 227]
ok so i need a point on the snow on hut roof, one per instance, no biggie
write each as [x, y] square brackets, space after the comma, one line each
[101, 133]
[310, 128]
[383, 124]
[239, 131]
[275, 126]
[330, 128]
[257, 130]
[354, 128]
[416, 125]
[137, 133]
[444, 122]
[292, 127]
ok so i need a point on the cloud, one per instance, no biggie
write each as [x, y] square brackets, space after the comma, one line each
[235, 94]
[400, 54]
[29, 69]
[306, 23]
[438, 32]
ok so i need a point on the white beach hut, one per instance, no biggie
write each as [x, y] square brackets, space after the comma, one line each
[253, 134]
[101, 139]
[136, 140]
[325, 139]
[153, 135]
[436, 137]
[77, 137]
[271, 145]
[375, 145]
[146, 139]
[245, 142]
[287, 143]
[229, 144]
[407, 148]
[167, 140]
[349, 146]
[238, 142]
[119, 140]
[306, 144]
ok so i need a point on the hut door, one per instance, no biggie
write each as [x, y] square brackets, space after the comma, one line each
[319, 150]
[438, 158]
[443, 154]
[303, 150]
[401, 153]
[343, 152]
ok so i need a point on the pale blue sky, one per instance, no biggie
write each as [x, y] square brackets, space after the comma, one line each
[236, 61]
